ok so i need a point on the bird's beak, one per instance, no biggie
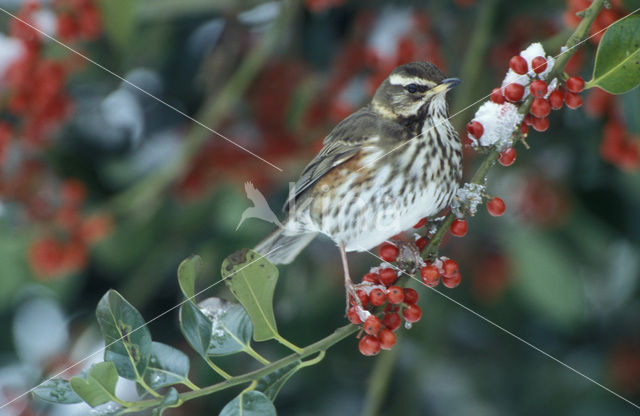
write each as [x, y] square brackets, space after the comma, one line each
[446, 85]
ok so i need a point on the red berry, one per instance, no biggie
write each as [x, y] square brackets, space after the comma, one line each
[475, 129]
[496, 96]
[371, 278]
[421, 223]
[540, 124]
[452, 282]
[372, 325]
[388, 252]
[410, 295]
[575, 84]
[540, 107]
[555, 99]
[572, 100]
[496, 206]
[528, 119]
[412, 313]
[450, 268]
[459, 227]
[395, 294]
[392, 321]
[369, 345]
[387, 276]
[538, 64]
[430, 275]
[524, 129]
[421, 243]
[507, 156]
[518, 64]
[387, 339]
[513, 92]
[538, 88]
[377, 297]
[364, 298]
[353, 316]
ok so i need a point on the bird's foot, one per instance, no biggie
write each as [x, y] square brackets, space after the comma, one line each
[351, 293]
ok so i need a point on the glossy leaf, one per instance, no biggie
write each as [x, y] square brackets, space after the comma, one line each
[231, 326]
[617, 66]
[100, 385]
[251, 403]
[127, 339]
[252, 280]
[196, 327]
[271, 384]
[57, 391]
[187, 274]
[167, 366]
[171, 399]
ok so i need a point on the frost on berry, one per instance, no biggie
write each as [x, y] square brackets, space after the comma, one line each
[467, 198]
[499, 121]
[536, 50]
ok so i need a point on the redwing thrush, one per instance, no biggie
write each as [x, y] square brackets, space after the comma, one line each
[382, 169]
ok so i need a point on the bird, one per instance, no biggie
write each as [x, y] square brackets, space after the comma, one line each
[391, 163]
[260, 208]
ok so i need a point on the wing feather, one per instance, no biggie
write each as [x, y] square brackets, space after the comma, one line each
[360, 129]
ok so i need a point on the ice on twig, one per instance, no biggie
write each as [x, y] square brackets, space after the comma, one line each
[467, 197]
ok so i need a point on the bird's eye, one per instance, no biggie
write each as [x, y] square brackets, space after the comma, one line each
[412, 88]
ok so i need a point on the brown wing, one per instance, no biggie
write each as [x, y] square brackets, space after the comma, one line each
[344, 141]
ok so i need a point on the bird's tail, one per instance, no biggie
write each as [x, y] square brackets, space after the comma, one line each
[279, 248]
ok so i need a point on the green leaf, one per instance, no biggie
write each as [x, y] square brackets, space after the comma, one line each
[271, 384]
[127, 339]
[187, 274]
[196, 328]
[251, 403]
[252, 280]
[545, 278]
[231, 326]
[167, 366]
[171, 399]
[617, 66]
[100, 385]
[57, 390]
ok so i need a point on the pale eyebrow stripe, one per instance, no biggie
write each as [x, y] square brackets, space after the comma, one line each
[397, 79]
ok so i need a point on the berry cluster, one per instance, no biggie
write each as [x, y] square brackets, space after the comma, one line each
[527, 76]
[382, 305]
[443, 269]
[66, 249]
[35, 103]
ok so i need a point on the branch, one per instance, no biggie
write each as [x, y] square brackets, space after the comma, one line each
[315, 348]
[480, 176]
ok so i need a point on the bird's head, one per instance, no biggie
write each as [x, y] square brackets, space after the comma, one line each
[410, 89]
